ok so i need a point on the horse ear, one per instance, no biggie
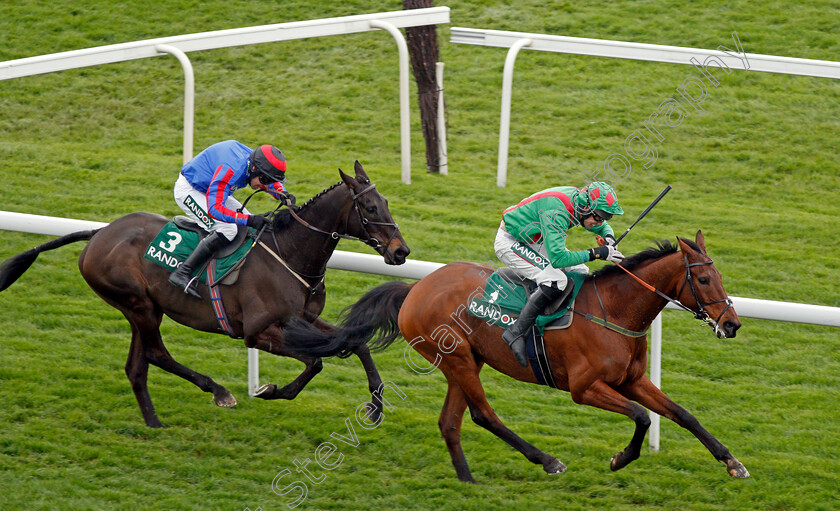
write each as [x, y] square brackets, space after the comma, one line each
[360, 172]
[685, 245]
[349, 181]
[700, 240]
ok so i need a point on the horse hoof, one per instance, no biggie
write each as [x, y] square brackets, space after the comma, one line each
[737, 469]
[373, 413]
[266, 390]
[619, 461]
[224, 399]
[554, 467]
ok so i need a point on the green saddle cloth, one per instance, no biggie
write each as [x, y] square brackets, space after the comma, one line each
[173, 245]
[502, 301]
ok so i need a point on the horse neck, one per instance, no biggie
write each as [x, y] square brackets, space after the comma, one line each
[307, 250]
[641, 305]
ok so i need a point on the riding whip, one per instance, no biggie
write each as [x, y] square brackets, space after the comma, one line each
[645, 212]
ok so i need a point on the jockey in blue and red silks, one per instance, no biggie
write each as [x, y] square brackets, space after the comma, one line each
[204, 190]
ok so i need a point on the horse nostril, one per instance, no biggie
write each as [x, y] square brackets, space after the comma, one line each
[730, 328]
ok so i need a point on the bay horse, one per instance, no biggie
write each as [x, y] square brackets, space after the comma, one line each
[281, 278]
[601, 366]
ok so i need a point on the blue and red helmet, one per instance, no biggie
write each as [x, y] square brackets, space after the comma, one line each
[268, 163]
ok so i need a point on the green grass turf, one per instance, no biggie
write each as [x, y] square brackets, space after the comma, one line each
[757, 172]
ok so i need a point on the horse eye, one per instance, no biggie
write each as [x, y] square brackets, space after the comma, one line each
[703, 280]
[371, 210]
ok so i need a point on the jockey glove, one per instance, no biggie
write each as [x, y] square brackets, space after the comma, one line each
[606, 252]
[288, 199]
[609, 239]
[598, 253]
[256, 221]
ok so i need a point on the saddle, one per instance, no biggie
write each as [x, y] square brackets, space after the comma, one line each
[506, 293]
[177, 239]
[560, 303]
[188, 224]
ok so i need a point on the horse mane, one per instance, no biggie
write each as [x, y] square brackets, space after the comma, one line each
[283, 218]
[318, 195]
[662, 248]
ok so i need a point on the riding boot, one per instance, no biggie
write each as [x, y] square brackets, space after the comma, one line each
[514, 335]
[182, 276]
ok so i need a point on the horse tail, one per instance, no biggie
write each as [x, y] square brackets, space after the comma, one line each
[375, 315]
[372, 321]
[14, 267]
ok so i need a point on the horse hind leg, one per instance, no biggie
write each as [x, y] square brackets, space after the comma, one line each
[646, 393]
[450, 421]
[146, 329]
[271, 340]
[137, 370]
[158, 355]
[466, 377]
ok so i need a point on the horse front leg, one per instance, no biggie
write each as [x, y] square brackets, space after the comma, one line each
[271, 341]
[601, 395]
[374, 409]
[646, 393]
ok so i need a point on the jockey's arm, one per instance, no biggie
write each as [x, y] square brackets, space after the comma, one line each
[275, 189]
[217, 194]
[554, 228]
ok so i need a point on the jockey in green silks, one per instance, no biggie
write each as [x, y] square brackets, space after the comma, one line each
[532, 241]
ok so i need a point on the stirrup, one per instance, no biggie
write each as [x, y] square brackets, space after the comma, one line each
[188, 289]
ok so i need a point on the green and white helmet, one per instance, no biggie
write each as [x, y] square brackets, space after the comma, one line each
[598, 197]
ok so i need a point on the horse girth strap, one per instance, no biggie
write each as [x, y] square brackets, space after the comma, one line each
[611, 326]
[603, 322]
[311, 289]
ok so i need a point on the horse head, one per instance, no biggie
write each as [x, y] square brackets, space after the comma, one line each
[702, 289]
[370, 219]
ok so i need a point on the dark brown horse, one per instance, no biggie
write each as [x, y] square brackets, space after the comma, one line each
[600, 367]
[267, 294]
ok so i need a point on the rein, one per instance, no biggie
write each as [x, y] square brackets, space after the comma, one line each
[370, 241]
[257, 241]
[699, 314]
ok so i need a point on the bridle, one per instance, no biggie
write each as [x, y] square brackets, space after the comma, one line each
[364, 222]
[701, 313]
[370, 240]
